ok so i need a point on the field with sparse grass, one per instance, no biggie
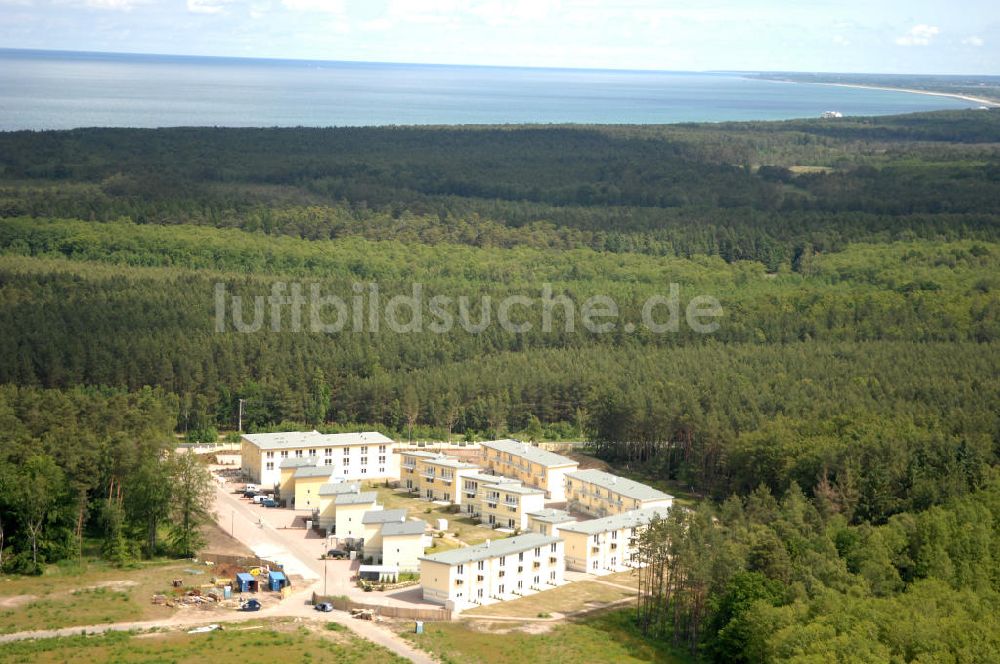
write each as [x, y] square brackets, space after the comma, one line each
[90, 593]
[609, 637]
[563, 600]
[270, 641]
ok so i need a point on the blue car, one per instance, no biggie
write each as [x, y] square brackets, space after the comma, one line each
[250, 605]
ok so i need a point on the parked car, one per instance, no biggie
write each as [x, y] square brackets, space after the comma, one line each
[249, 494]
[337, 554]
[325, 607]
[269, 502]
[259, 498]
[250, 487]
[250, 605]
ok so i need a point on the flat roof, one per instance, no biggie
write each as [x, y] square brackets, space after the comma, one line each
[486, 478]
[450, 462]
[298, 462]
[516, 488]
[629, 519]
[552, 516]
[404, 528]
[313, 471]
[383, 516]
[339, 488]
[292, 439]
[487, 550]
[356, 498]
[417, 453]
[529, 452]
[626, 487]
[274, 574]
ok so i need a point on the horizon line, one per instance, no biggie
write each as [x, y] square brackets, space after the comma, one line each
[738, 72]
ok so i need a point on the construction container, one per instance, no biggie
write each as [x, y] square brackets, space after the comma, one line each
[277, 580]
[246, 583]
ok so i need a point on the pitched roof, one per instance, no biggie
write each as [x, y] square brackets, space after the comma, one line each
[552, 516]
[629, 519]
[298, 462]
[356, 498]
[620, 485]
[450, 462]
[383, 516]
[404, 528]
[504, 547]
[292, 439]
[486, 478]
[313, 471]
[529, 452]
[338, 488]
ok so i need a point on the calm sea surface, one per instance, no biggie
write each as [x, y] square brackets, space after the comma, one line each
[58, 90]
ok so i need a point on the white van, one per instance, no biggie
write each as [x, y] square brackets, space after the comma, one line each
[250, 487]
[258, 499]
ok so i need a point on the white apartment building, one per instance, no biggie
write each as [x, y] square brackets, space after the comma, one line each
[603, 546]
[494, 571]
[366, 455]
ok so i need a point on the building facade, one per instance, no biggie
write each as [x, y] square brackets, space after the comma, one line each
[548, 522]
[434, 476]
[530, 465]
[507, 504]
[328, 501]
[601, 494]
[494, 571]
[366, 455]
[350, 510]
[606, 545]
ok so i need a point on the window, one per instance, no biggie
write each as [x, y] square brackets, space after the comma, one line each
[597, 539]
[553, 547]
[520, 584]
[270, 455]
[312, 452]
[520, 557]
[364, 471]
[298, 454]
[270, 465]
[614, 534]
[328, 462]
[552, 575]
[594, 564]
[364, 461]
[364, 449]
[328, 451]
[381, 460]
[503, 560]
[501, 589]
[538, 579]
[347, 451]
[538, 550]
[460, 569]
[479, 593]
[284, 454]
[381, 449]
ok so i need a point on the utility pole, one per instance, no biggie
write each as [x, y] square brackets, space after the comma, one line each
[232, 523]
[239, 426]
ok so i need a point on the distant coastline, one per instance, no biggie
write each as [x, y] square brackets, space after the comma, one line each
[976, 100]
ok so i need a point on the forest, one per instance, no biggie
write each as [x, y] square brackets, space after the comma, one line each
[839, 431]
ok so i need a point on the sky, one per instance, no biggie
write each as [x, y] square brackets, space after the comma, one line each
[878, 36]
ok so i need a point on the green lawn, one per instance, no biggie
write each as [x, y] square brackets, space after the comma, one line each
[270, 642]
[468, 530]
[609, 637]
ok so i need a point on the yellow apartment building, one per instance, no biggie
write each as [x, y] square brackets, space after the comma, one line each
[606, 545]
[529, 464]
[600, 494]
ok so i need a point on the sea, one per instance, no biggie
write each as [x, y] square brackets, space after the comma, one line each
[61, 90]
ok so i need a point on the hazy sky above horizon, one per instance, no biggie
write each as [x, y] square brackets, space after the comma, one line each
[892, 36]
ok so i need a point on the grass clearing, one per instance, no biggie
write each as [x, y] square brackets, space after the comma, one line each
[609, 637]
[467, 530]
[274, 641]
[90, 593]
[565, 599]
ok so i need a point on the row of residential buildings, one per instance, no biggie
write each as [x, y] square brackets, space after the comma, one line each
[563, 518]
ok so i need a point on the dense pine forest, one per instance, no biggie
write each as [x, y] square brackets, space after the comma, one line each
[839, 431]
